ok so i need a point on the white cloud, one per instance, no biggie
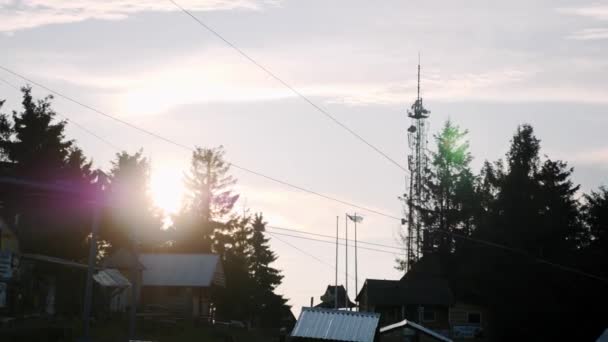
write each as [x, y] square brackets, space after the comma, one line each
[598, 156]
[590, 34]
[595, 11]
[482, 85]
[24, 14]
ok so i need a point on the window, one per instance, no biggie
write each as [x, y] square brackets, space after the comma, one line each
[428, 315]
[474, 318]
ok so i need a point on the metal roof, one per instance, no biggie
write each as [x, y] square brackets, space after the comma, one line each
[196, 270]
[53, 260]
[408, 324]
[111, 278]
[336, 325]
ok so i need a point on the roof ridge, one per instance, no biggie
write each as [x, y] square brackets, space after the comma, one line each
[344, 312]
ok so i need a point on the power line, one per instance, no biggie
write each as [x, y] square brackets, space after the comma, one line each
[333, 243]
[301, 250]
[190, 149]
[288, 86]
[332, 237]
[82, 127]
[332, 266]
[158, 136]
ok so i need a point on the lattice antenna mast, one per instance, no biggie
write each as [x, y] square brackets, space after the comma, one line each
[418, 167]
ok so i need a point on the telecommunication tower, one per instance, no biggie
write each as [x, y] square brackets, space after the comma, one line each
[418, 167]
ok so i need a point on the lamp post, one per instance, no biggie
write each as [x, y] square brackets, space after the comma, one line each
[355, 218]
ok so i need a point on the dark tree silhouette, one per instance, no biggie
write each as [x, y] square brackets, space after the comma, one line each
[208, 202]
[268, 305]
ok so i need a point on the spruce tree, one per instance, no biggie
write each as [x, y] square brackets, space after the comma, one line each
[35, 148]
[268, 305]
[208, 203]
[131, 215]
[451, 188]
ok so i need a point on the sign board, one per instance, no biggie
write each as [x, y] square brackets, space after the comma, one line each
[466, 331]
[6, 265]
[3, 295]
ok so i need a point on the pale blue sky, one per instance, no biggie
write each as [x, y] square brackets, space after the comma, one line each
[489, 66]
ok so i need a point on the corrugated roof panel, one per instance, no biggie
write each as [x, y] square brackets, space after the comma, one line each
[336, 325]
[111, 278]
[197, 270]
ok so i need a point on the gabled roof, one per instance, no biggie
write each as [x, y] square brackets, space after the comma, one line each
[191, 270]
[111, 278]
[328, 298]
[408, 324]
[381, 291]
[423, 284]
[336, 325]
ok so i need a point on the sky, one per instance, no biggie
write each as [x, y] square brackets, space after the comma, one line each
[488, 66]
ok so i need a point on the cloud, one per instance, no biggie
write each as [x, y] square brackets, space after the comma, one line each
[18, 15]
[595, 11]
[590, 34]
[478, 86]
[598, 156]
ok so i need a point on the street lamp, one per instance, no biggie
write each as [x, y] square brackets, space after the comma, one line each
[356, 218]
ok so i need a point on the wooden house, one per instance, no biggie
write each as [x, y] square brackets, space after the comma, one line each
[424, 296]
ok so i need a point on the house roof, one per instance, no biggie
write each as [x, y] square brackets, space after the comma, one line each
[381, 291]
[328, 298]
[111, 278]
[423, 284]
[53, 260]
[408, 324]
[336, 325]
[192, 270]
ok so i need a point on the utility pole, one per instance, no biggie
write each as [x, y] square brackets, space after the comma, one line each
[336, 288]
[346, 268]
[356, 266]
[88, 292]
[135, 284]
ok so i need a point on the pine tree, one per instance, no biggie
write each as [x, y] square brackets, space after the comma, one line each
[38, 146]
[131, 215]
[529, 207]
[268, 305]
[595, 215]
[265, 276]
[35, 148]
[209, 201]
[451, 188]
[235, 301]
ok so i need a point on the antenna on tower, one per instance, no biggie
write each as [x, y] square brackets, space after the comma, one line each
[417, 165]
[418, 97]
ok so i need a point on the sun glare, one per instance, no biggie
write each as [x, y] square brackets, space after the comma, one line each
[167, 189]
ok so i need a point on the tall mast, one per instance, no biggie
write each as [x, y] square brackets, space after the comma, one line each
[417, 165]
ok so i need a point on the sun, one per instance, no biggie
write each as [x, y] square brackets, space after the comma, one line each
[167, 189]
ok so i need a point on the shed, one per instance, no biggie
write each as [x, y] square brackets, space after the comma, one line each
[181, 283]
[335, 325]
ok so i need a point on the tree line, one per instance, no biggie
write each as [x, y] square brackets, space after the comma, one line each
[33, 147]
[550, 282]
